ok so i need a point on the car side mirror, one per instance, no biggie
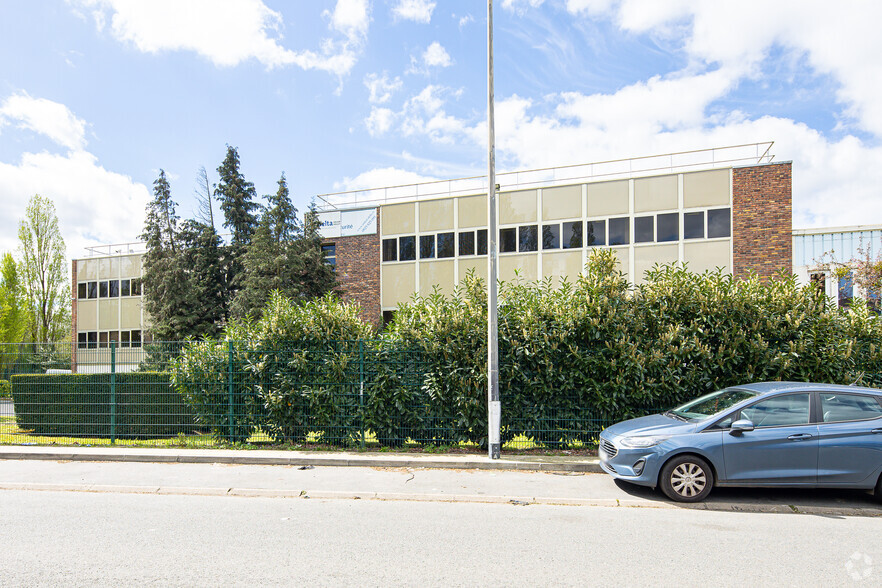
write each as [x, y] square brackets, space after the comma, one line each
[741, 426]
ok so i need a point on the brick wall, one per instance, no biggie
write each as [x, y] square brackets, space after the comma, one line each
[73, 317]
[762, 219]
[358, 272]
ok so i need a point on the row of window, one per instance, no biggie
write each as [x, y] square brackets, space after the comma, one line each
[109, 289]
[793, 409]
[102, 339]
[660, 228]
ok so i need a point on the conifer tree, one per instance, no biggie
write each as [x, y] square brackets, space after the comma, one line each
[236, 196]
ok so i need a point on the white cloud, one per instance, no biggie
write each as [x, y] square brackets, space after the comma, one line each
[380, 121]
[521, 6]
[435, 55]
[229, 32]
[464, 20]
[415, 10]
[380, 177]
[381, 88]
[45, 117]
[94, 205]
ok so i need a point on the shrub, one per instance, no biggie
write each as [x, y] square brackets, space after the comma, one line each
[5, 389]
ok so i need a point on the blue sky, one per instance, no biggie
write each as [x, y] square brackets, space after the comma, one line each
[97, 95]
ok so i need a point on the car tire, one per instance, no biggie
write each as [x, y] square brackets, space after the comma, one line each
[686, 478]
[878, 492]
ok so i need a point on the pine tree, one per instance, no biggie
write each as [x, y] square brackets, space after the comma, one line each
[236, 196]
[202, 257]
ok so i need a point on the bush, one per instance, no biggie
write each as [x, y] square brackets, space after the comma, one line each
[5, 389]
[79, 405]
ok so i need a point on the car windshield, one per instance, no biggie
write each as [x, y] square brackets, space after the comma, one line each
[711, 404]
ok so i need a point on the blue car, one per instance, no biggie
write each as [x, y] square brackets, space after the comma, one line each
[784, 434]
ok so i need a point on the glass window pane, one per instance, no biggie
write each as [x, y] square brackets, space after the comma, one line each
[136, 338]
[124, 339]
[528, 238]
[445, 245]
[619, 233]
[113, 336]
[467, 243]
[572, 235]
[390, 249]
[102, 339]
[406, 248]
[790, 409]
[595, 233]
[427, 246]
[482, 241]
[667, 227]
[93, 289]
[81, 290]
[114, 288]
[136, 287]
[644, 229]
[124, 288]
[718, 223]
[846, 290]
[102, 289]
[551, 236]
[508, 240]
[81, 340]
[693, 225]
[93, 339]
[849, 407]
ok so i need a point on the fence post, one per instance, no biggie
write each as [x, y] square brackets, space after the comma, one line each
[361, 387]
[113, 392]
[230, 391]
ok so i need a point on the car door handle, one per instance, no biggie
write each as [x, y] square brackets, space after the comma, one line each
[799, 437]
[877, 431]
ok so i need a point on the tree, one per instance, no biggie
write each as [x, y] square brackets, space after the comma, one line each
[236, 196]
[43, 254]
[202, 259]
[13, 313]
[205, 212]
[863, 270]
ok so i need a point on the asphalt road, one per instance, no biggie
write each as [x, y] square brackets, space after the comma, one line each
[89, 539]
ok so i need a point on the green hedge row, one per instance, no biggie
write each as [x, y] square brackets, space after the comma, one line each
[79, 405]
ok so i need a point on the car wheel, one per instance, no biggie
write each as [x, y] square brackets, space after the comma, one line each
[878, 492]
[687, 478]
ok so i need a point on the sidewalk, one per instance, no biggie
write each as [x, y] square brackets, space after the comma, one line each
[527, 463]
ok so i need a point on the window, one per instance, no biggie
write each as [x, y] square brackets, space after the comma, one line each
[693, 225]
[136, 282]
[837, 408]
[667, 227]
[388, 317]
[81, 290]
[125, 288]
[102, 289]
[102, 340]
[93, 290]
[595, 233]
[406, 248]
[780, 411]
[446, 245]
[390, 249]
[644, 229]
[619, 233]
[551, 237]
[528, 238]
[718, 223]
[329, 251]
[508, 240]
[136, 338]
[467, 243]
[846, 290]
[427, 246]
[82, 340]
[113, 336]
[114, 288]
[873, 300]
[92, 340]
[482, 241]
[124, 339]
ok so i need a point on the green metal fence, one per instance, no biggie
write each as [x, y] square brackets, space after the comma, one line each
[357, 394]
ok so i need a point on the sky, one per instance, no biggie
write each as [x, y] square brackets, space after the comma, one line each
[96, 96]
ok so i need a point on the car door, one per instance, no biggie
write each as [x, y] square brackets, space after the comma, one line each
[782, 448]
[850, 438]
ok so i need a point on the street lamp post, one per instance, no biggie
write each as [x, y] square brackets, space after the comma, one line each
[494, 409]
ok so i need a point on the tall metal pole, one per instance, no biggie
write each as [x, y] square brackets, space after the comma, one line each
[494, 409]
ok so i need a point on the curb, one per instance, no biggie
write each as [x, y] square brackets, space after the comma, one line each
[452, 498]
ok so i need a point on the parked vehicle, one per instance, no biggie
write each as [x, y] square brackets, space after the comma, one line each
[785, 434]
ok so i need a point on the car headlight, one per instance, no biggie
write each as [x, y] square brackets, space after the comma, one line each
[643, 441]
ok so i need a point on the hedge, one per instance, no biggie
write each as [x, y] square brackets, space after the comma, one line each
[5, 389]
[79, 405]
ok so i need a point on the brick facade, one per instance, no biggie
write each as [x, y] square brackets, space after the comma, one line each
[358, 272]
[762, 219]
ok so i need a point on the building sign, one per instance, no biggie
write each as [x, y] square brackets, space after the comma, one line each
[346, 223]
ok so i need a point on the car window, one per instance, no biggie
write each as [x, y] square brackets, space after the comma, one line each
[789, 409]
[849, 407]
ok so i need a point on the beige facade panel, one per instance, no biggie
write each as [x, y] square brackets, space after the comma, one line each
[398, 219]
[658, 193]
[87, 269]
[87, 315]
[624, 259]
[436, 215]
[645, 258]
[108, 315]
[399, 282]
[130, 266]
[708, 255]
[437, 273]
[130, 313]
[472, 211]
[607, 198]
[563, 202]
[706, 188]
[560, 264]
[517, 207]
[478, 264]
[526, 265]
[108, 268]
